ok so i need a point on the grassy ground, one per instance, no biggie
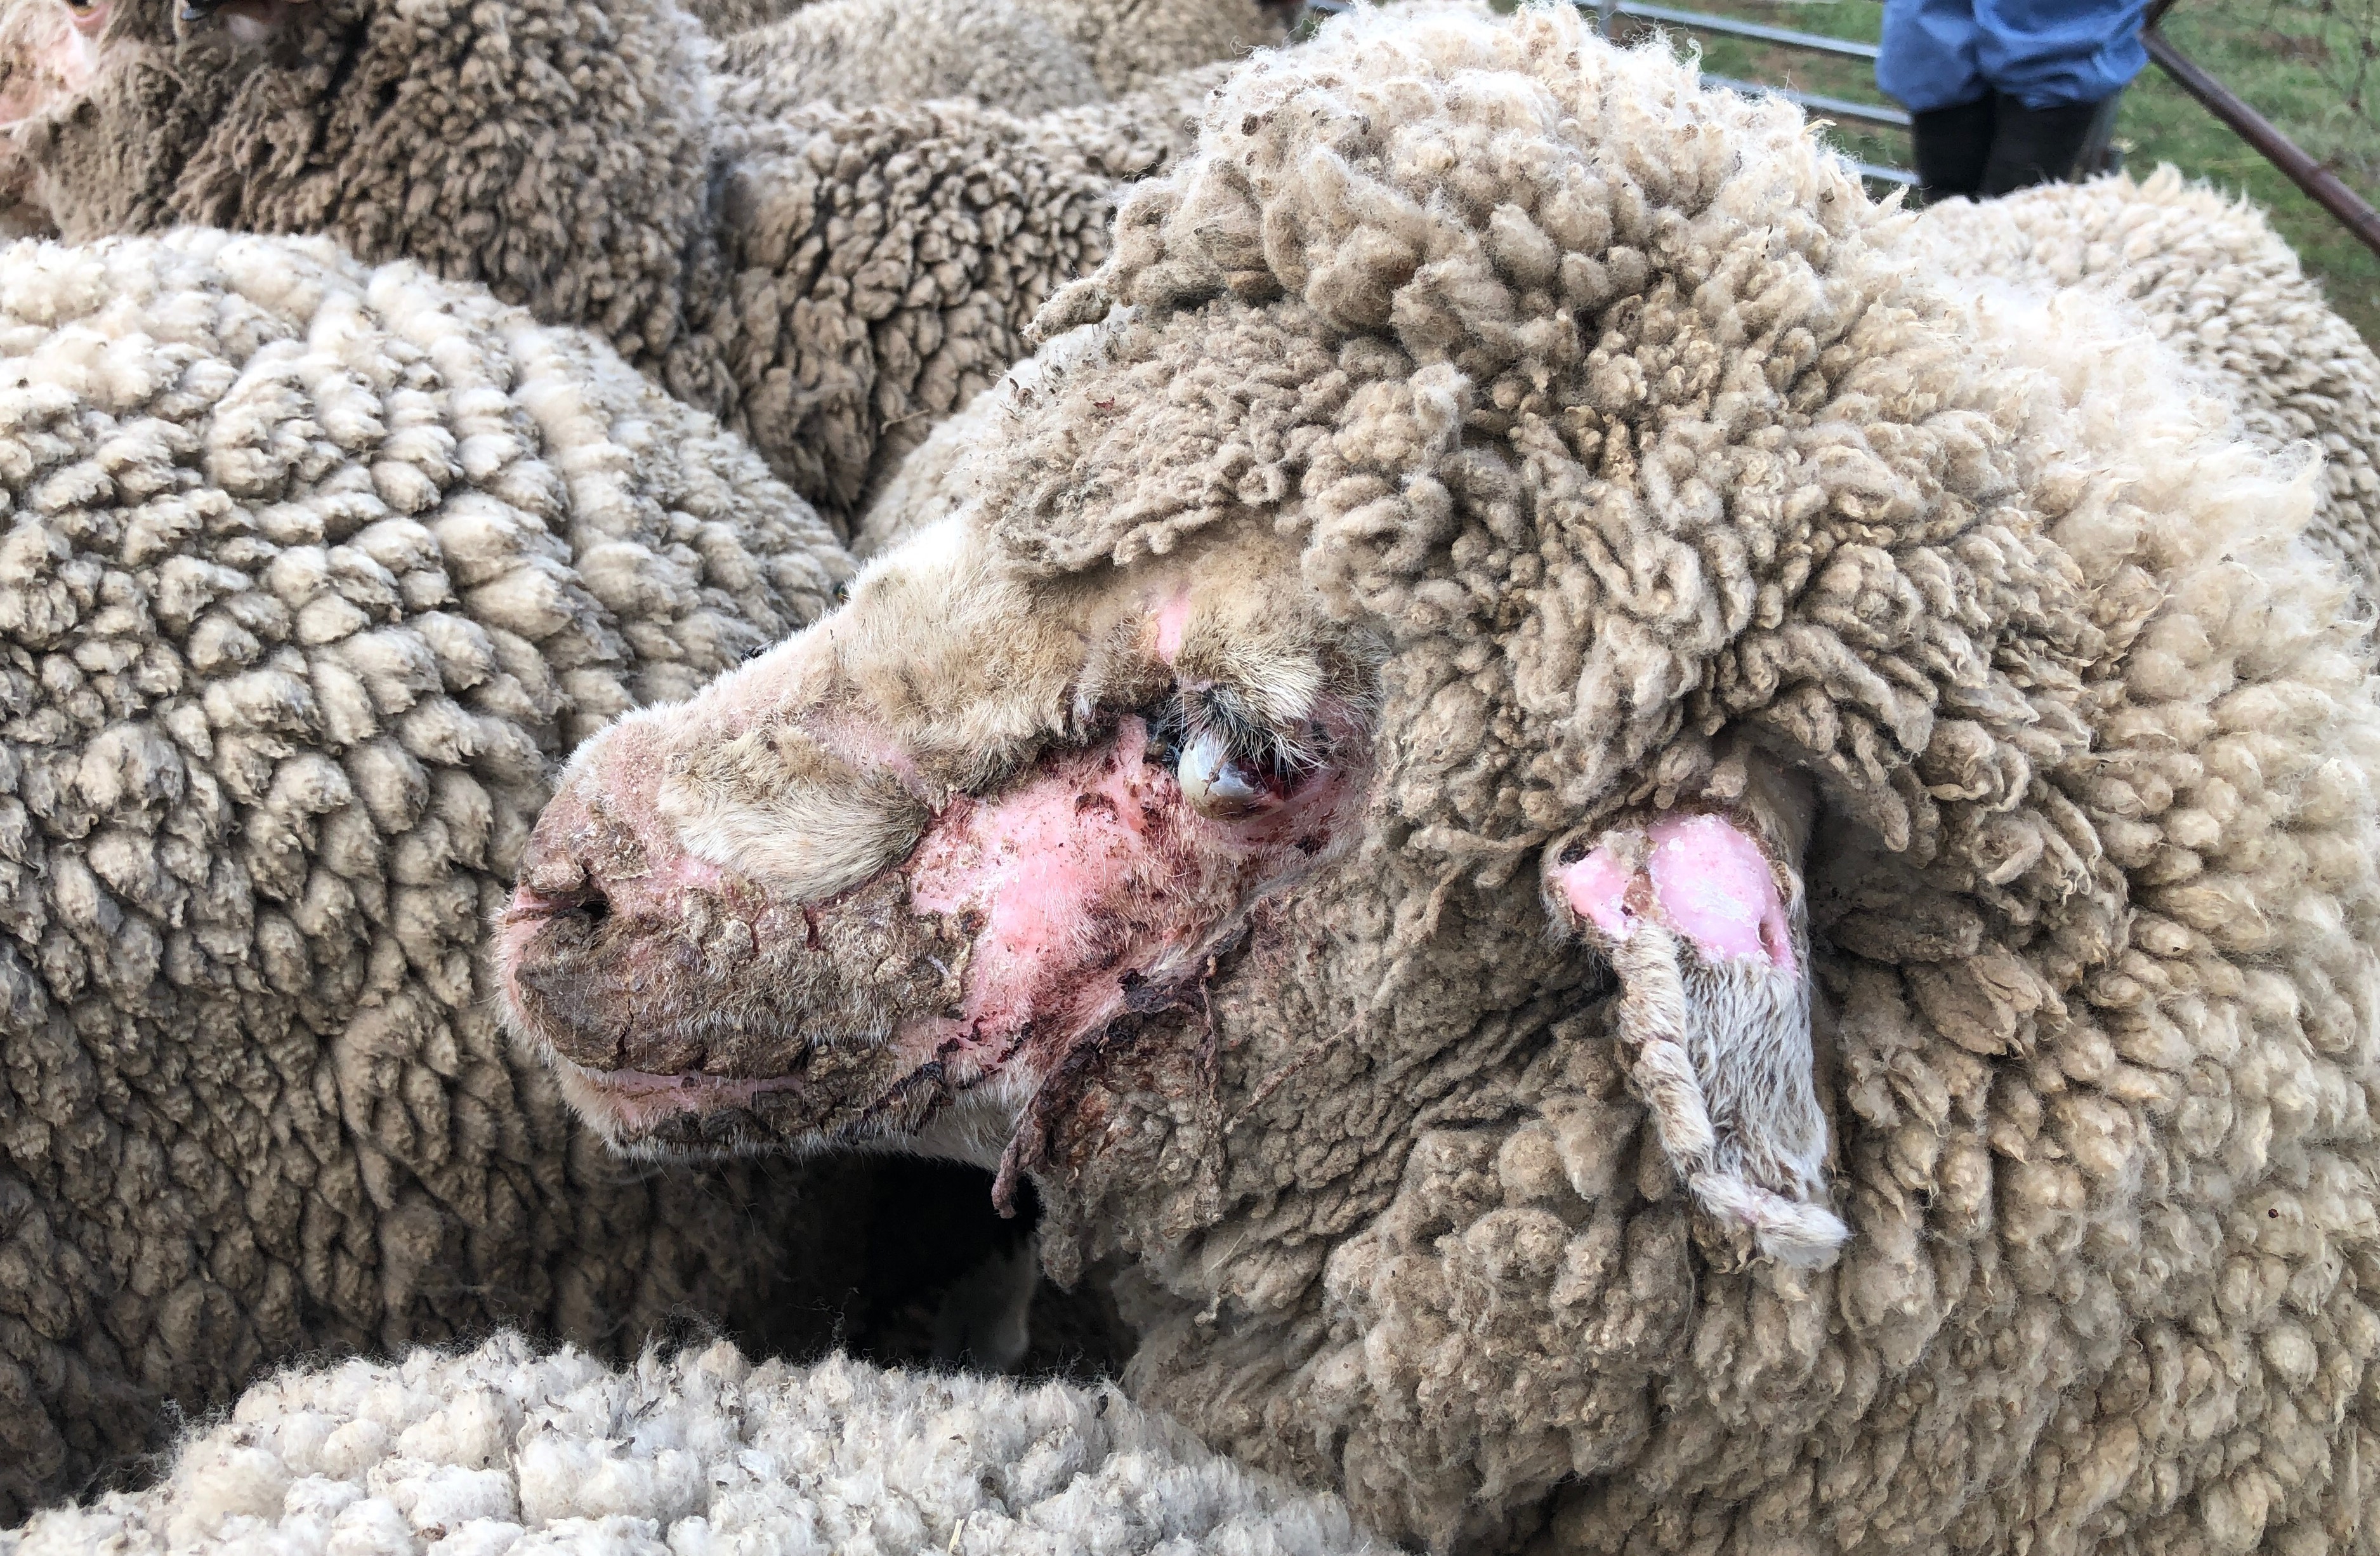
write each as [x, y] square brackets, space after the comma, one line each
[2309, 65]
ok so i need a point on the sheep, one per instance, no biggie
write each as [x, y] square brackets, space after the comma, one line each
[502, 1449]
[309, 571]
[726, 18]
[1025, 56]
[827, 283]
[1636, 891]
[2216, 283]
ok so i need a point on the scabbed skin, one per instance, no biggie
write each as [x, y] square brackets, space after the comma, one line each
[311, 571]
[827, 282]
[1602, 424]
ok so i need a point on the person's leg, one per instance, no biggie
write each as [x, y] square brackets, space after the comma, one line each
[1951, 147]
[1926, 63]
[2039, 145]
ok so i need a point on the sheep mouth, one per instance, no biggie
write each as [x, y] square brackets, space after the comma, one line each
[699, 1116]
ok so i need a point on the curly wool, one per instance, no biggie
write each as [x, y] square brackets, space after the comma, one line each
[1023, 56]
[2217, 283]
[307, 572]
[827, 283]
[1621, 414]
[502, 1450]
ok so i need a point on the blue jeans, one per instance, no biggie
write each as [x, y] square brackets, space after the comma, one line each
[2046, 54]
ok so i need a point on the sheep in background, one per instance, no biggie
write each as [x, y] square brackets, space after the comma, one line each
[502, 1449]
[308, 572]
[1636, 891]
[1024, 56]
[2219, 286]
[827, 283]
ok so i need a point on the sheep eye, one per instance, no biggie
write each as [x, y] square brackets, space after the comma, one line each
[1163, 720]
[82, 8]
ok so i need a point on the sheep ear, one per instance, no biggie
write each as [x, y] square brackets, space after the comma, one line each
[1700, 911]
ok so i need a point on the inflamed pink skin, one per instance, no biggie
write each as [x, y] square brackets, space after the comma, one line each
[704, 981]
[888, 881]
[1703, 875]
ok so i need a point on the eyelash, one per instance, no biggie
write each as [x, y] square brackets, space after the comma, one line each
[1283, 758]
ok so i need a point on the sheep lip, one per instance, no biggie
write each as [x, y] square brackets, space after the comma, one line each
[630, 1102]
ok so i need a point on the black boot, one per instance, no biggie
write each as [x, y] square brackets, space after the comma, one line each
[2045, 145]
[1950, 147]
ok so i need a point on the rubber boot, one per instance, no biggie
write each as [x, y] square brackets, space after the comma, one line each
[2042, 145]
[1950, 147]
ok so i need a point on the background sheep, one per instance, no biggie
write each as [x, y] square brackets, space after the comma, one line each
[2218, 285]
[308, 571]
[505, 1449]
[1024, 56]
[1633, 886]
[827, 283]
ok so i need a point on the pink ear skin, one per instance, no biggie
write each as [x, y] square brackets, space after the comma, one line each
[1700, 874]
[1697, 911]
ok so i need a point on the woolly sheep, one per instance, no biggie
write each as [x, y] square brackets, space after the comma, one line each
[503, 1449]
[826, 283]
[1026, 56]
[308, 572]
[2216, 283]
[1633, 890]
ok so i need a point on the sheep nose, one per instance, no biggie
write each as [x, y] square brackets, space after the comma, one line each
[553, 883]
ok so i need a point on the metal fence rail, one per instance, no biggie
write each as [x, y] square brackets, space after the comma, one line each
[2321, 185]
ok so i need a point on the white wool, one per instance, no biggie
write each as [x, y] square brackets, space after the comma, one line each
[505, 1452]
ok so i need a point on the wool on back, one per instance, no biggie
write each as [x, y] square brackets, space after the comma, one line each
[308, 571]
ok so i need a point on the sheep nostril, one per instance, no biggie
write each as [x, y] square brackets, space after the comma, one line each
[586, 905]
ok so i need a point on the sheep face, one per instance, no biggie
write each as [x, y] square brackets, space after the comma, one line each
[888, 879]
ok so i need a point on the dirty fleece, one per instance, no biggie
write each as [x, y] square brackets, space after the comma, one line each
[827, 283]
[1583, 442]
[308, 572]
[1024, 56]
[502, 1450]
[1605, 399]
[2214, 283]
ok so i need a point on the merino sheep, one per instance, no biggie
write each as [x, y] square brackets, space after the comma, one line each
[502, 1450]
[2217, 283]
[1025, 56]
[308, 572]
[1637, 891]
[827, 283]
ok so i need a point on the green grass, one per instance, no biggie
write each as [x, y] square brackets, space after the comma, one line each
[2309, 65]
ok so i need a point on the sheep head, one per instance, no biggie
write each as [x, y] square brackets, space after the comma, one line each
[888, 879]
[1726, 748]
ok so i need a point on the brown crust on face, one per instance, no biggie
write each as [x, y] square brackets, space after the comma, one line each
[735, 984]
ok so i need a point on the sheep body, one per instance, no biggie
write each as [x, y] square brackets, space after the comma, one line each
[501, 1449]
[828, 283]
[1022, 56]
[308, 571]
[2217, 283]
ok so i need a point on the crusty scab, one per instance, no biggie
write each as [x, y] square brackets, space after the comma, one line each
[930, 849]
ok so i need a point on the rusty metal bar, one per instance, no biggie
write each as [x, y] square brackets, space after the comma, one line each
[2321, 185]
